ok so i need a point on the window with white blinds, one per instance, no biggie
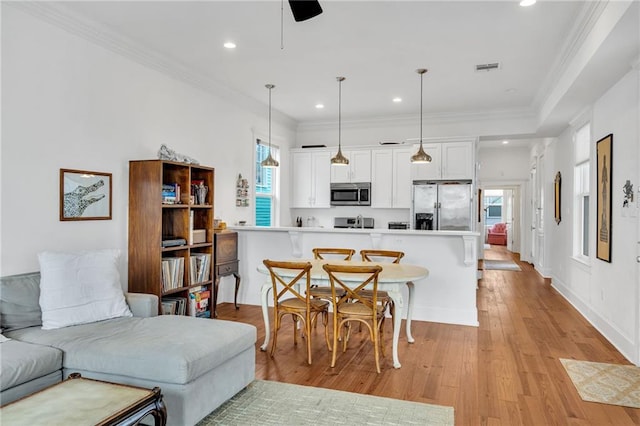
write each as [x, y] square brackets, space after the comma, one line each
[581, 179]
[266, 181]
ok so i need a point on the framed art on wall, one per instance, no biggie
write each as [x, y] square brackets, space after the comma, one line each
[557, 188]
[604, 149]
[85, 195]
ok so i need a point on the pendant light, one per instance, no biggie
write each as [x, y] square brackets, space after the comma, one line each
[421, 156]
[339, 159]
[269, 162]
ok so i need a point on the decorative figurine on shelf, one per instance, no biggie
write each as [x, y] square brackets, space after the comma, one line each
[166, 153]
[201, 193]
[242, 192]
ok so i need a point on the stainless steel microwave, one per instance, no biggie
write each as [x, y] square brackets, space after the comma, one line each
[351, 194]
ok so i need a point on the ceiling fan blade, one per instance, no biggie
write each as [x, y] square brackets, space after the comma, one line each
[304, 9]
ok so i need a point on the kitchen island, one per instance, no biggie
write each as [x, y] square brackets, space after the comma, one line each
[447, 295]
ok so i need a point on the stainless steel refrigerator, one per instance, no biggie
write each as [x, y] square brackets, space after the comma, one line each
[442, 205]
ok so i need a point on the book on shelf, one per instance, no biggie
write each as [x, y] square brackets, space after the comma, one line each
[172, 273]
[170, 193]
[199, 267]
[199, 302]
[191, 220]
[174, 306]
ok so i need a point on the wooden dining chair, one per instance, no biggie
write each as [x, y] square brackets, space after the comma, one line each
[289, 299]
[333, 253]
[324, 292]
[353, 307]
[392, 256]
[370, 255]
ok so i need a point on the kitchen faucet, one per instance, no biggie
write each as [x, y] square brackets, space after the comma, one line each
[359, 221]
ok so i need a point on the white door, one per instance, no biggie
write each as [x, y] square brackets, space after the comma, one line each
[507, 215]
[540, 261]
[638, 293]
[534, 215]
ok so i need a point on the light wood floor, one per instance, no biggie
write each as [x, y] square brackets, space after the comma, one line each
[504, 372]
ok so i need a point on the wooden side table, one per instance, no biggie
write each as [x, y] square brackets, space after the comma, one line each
[80, 401]
[226, 263]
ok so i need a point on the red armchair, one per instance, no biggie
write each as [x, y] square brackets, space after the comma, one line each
[498, 234]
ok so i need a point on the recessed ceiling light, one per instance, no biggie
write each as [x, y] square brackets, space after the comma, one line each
[505, 142]
[319, 106]
[511, 90]
[525, 3]
[397, 100]
[230, 45]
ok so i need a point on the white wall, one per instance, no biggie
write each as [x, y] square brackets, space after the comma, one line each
[503, 164]
[70, 103]
[399, 129]
[607, 294]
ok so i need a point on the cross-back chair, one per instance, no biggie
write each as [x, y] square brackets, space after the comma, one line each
[288, 298]
[392, 256]
[333, 253]
[329, 253]
[352, 306]
[370, 255]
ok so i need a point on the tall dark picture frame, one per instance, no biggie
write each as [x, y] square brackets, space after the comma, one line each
[604, 149]
[85, 195]
[558, 197]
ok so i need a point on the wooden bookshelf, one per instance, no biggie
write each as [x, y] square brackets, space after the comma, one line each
[151, 221]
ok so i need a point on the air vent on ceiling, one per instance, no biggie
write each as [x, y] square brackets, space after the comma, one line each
[488, 67]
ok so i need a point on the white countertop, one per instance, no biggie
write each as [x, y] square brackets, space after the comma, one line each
[353, 230]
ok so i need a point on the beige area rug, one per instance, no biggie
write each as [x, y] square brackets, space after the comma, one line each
[605, 383]
[273, 403]
[504, 265]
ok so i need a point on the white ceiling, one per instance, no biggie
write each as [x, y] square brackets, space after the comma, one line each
[376, 45]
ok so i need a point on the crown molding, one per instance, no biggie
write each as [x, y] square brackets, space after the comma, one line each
[436, 118]
[583, 25]
[65, 19]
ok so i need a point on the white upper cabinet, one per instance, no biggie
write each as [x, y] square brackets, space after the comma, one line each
[381, 178]
[402, 178]
[391, 178]
[457, 160]
[450, 160]
[430, 170]
[358, 169]
[310, 171]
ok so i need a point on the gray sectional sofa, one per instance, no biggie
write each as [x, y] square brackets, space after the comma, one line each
[198, 363]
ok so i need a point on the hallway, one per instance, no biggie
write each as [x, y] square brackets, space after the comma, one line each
[504, 372]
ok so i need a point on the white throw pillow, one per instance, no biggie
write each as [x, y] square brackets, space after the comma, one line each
[3, 338]
[80, 288]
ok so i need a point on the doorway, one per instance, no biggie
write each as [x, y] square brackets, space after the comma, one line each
[502, 208]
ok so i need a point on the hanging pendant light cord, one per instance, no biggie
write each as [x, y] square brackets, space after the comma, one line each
[270, 120]
[339, 114]
[281, 24]
[421, 78]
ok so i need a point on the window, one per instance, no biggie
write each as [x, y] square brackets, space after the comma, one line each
[581, 178]
[493, 207]
[266, 186]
